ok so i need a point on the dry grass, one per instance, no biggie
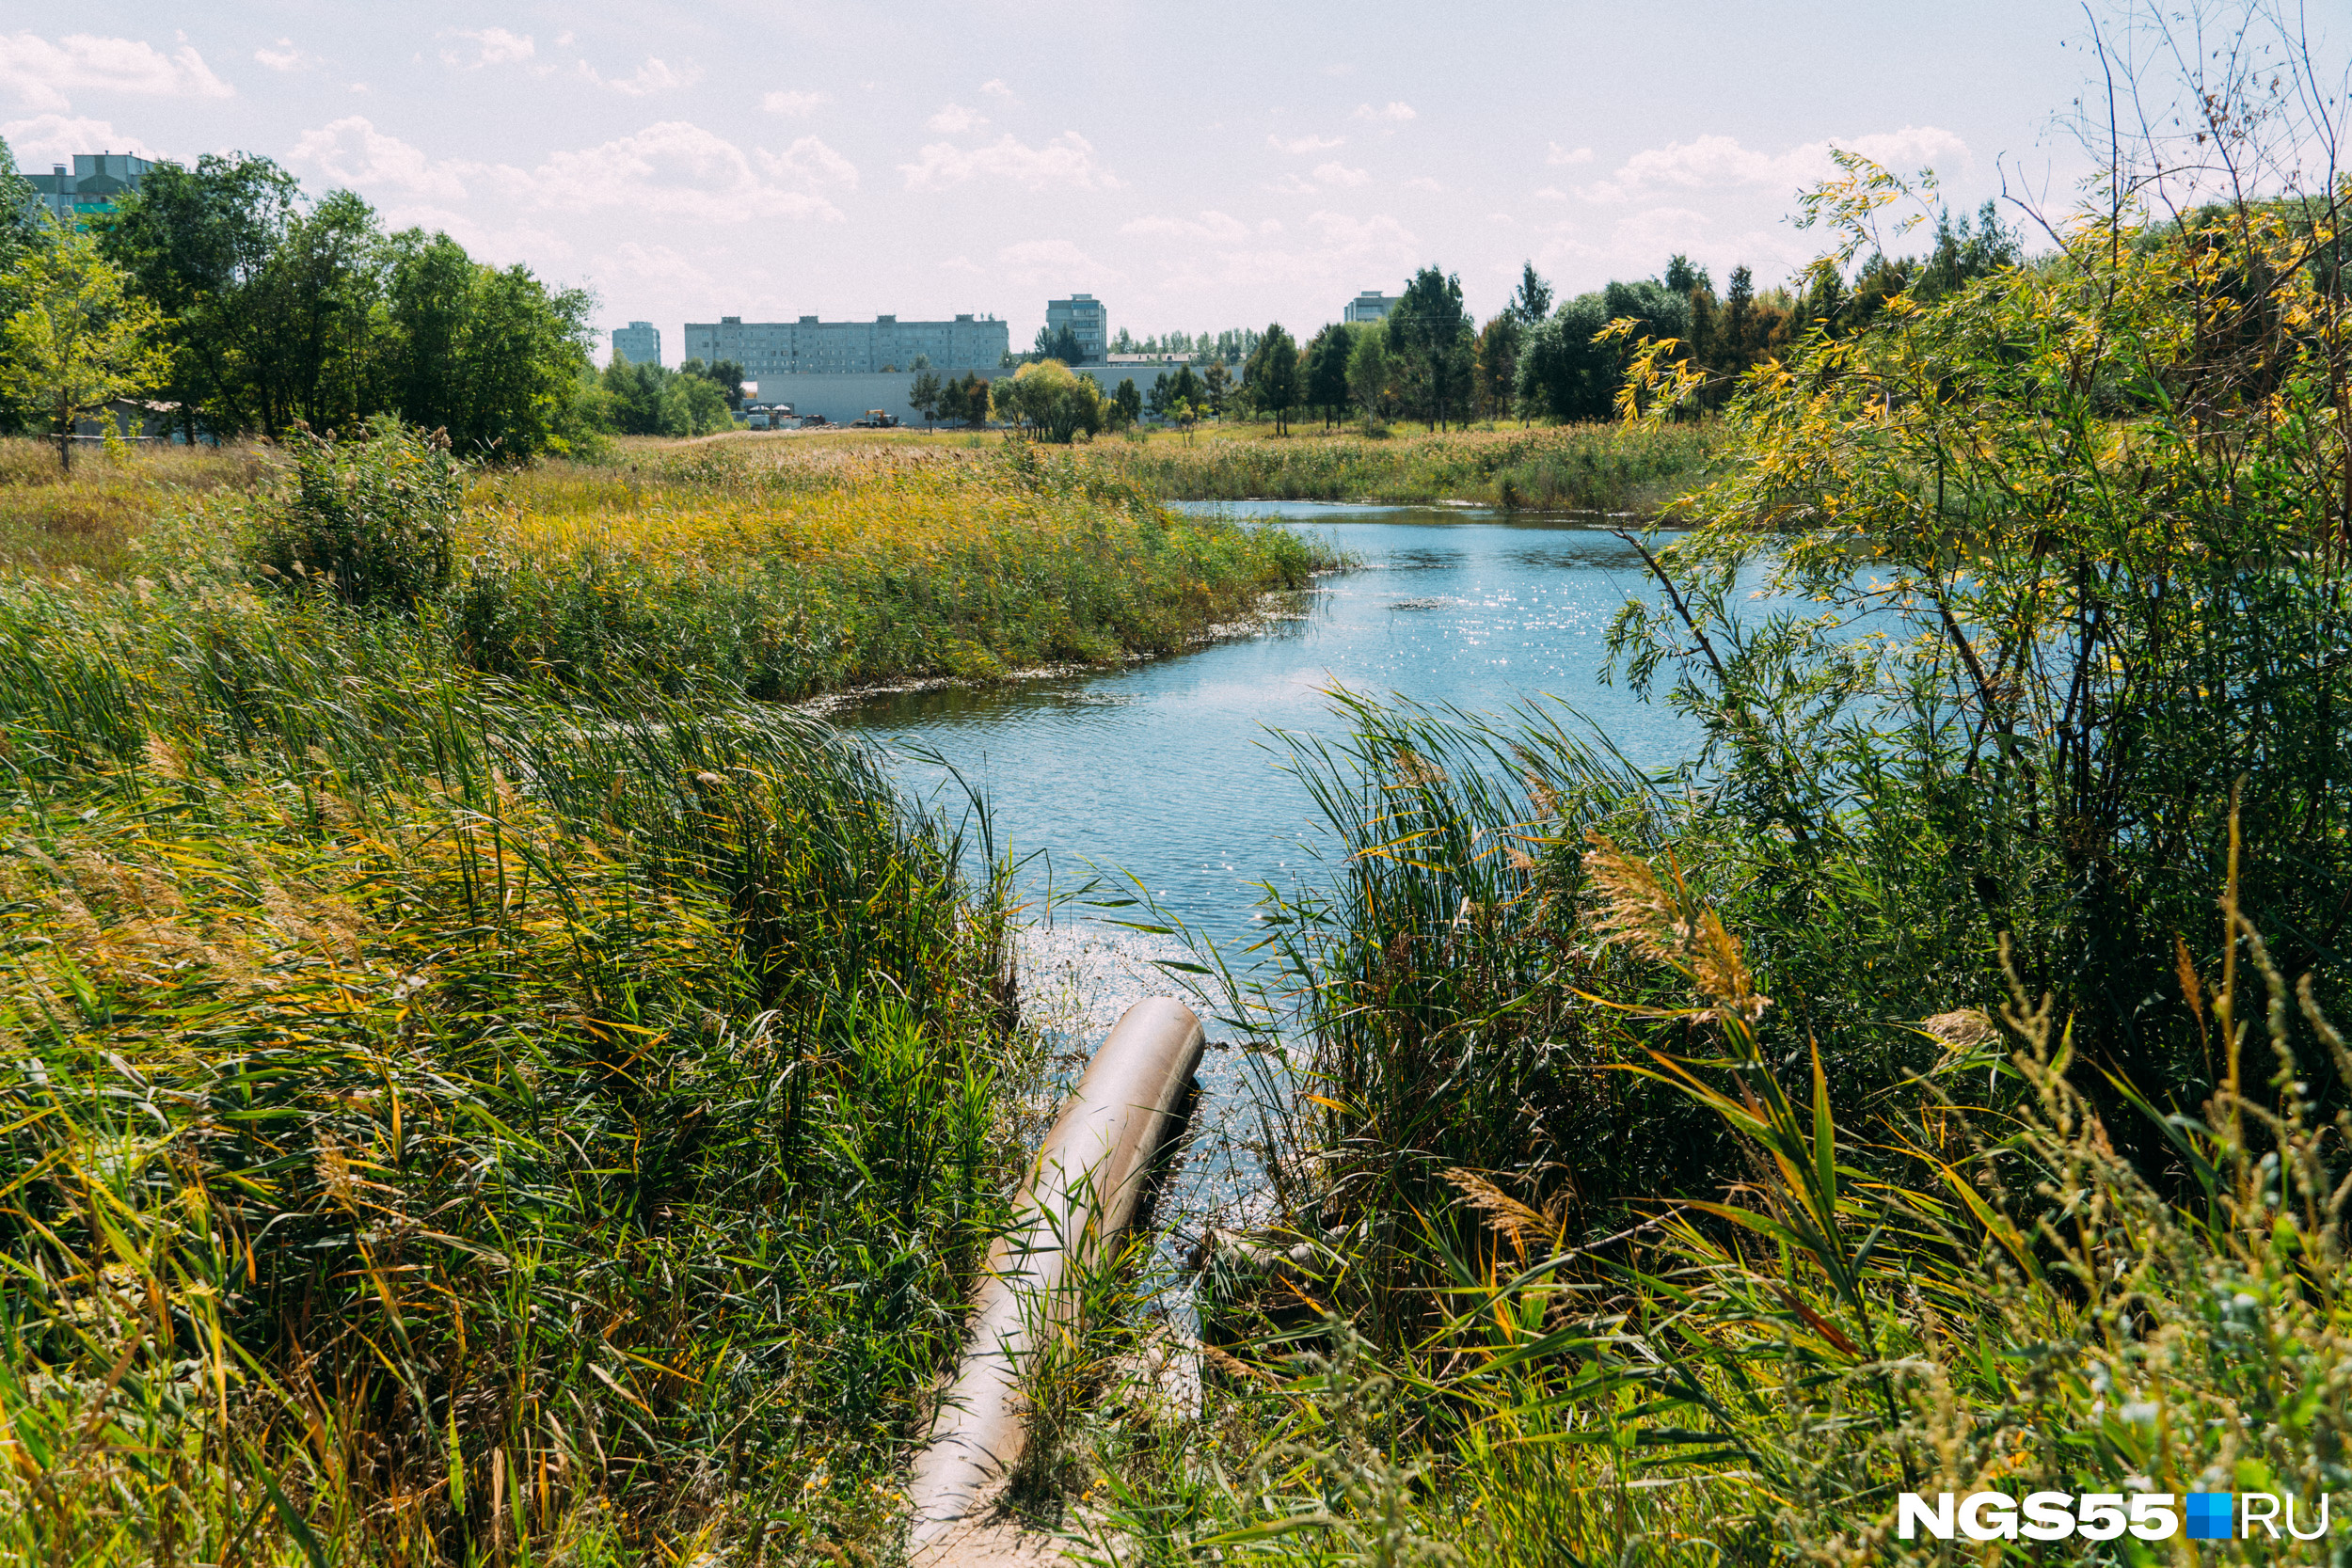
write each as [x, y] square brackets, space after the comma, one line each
[95, 518]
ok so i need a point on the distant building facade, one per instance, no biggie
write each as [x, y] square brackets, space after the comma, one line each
[96, 182]
[639, 343]
[768, 350]
[1370, 306]
[1084, 315]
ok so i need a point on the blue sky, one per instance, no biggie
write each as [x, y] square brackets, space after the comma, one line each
[1198, 167]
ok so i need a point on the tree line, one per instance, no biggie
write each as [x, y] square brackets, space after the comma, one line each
[219, 286]
[1536, 358]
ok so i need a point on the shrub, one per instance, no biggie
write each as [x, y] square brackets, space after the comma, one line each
[373, 516]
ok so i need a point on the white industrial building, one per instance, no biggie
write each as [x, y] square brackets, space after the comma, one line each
[1370, 306]
[639, 343]
[771, 351]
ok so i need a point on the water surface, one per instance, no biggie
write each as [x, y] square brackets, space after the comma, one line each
[1166, 770]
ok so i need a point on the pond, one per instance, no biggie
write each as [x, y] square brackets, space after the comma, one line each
[1165, 771]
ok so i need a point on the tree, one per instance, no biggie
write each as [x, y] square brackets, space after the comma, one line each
[1216, 381]
[727, 376]
[487, 354]
[1532, 303]
[199, 242]
[78, 335]
[1051, 399]
[1323, 371]
[23, 221]
[924, 393]
[1369, 373]
[1127, 405]
[1430, 337]
[1272, 375]
[1058, 343]
[1562, 372]
[1498, 364]
[1684, 275]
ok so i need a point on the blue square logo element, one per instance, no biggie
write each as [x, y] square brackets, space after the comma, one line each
[2211, 1515]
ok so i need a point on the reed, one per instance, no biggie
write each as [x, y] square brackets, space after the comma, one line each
[450, 1120]
[1608, 469]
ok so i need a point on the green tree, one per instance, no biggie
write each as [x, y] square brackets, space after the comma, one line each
[923, 394]
[1370, 374]
[1127, 405]
[488, 355]
[1051, 399]
[201, 243]
[77, 337]
[1430, 338]
[1215, 382]
[1323, 371]
[1532, 303]
[1498, 364]
[1272, 375]
[1057, 344]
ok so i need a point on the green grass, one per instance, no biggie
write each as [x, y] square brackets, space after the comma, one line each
[1579, 1260]
[1603, 468]
[453, 1122]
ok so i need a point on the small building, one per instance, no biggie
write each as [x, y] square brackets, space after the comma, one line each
[139, 420]
[639, 343]
[97, 181]
[1084, 315]
[1370, 306]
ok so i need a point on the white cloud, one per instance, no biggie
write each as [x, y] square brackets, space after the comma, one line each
[1212, 226]
[811, 162]
[1393, 110]
[286, 57]
[47, 139]
[954, 120]
[651, 77]
[1561, 155]
[1714, 162]
[1306, 144]
[653, 265]
[1551, 193]
[995, 87]
[352, 151]
[1337, 173]
[1067, 159]
[41, 73]
[1423, 182]
[795, 105]
[491, 46]
[673, 168]
[1291, 184]
[1054, 263]
[1338, 254]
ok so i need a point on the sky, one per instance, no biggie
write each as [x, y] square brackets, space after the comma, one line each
[1196, 167]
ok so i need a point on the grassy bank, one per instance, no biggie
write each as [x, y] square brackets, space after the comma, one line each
[454, 1121]
[773, 568]
[792, 566]
[1603, 468]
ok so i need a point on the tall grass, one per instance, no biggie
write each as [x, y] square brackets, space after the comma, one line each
[455, 1121]
[1579, 1259]
[784, 571]
[1598, 467]
[96, 517]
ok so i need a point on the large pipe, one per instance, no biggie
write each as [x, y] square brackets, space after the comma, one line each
[1083, 1190]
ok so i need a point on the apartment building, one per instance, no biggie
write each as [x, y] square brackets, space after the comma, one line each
[639, 343]
[96, 182]
[813, 347]
[1084, 315]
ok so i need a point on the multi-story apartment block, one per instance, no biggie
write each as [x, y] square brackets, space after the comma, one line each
[639, 343]
[1084, 315]
[811, 347]
[98, 181]
[1370, 306]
